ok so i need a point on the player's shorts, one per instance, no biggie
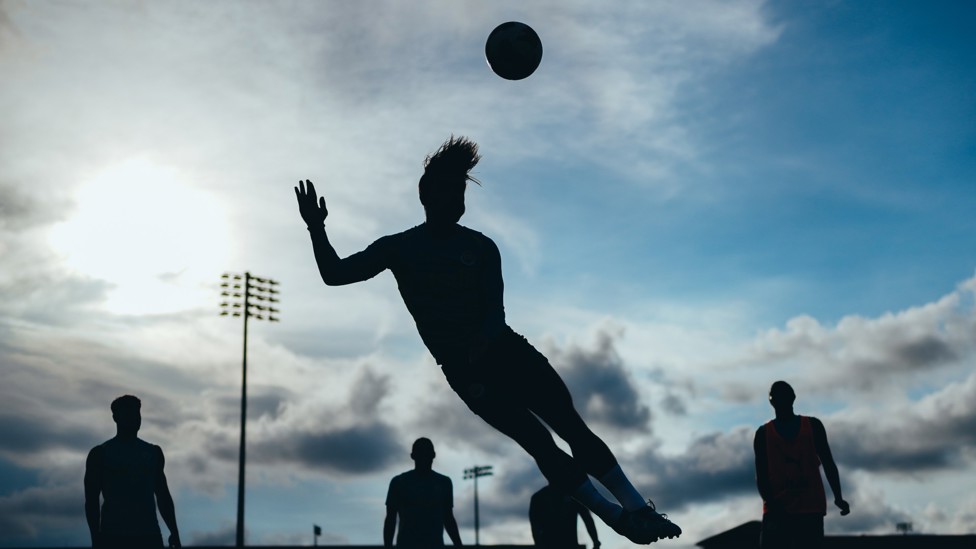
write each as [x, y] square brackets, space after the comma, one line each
[153, 541]
[511, 373]
[792, 531]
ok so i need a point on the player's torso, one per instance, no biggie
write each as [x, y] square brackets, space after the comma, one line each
[794, 467]
[441, 281]
[129, 469]
[422, 501]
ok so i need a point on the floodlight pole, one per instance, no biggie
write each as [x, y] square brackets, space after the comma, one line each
[260, 289]
[474, 473]
[240, 454]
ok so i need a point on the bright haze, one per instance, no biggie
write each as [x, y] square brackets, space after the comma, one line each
[692, 200]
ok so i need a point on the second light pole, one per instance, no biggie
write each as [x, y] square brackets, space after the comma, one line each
[247, 288]
[475, 472]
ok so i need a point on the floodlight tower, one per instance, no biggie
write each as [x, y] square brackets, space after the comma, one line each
[246, 288]
[475, 472]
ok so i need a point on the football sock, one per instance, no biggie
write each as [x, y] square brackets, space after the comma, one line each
[621, 488]
[588, 495]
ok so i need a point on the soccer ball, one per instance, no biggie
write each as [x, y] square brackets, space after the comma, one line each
[513, 50]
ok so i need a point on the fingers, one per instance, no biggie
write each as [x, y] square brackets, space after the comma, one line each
[301, 189]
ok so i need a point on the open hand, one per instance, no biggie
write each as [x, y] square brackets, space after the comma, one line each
[313, 211]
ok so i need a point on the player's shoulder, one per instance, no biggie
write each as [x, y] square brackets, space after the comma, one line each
[815, 423]
[482, 240]
[148, 446]
[392, 239]
[406, 475]
[98, 450]
[473, 233]
[441, 477]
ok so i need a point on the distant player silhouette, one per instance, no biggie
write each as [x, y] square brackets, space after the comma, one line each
[127, 474]
[423, 500]
[789, 451]
[450, 279]
[552, 517]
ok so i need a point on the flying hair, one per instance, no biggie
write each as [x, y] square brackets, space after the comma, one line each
[453, 161]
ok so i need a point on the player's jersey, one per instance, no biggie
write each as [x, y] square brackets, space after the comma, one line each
[129, 470]
[421, 501]
[452, 286]
[794, 470]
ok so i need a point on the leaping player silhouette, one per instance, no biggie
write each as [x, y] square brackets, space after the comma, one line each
[450, 279]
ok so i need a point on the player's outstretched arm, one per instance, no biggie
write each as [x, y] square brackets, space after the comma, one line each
[333, 270]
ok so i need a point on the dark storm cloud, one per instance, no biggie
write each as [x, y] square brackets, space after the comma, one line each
[45, 296]
[27, 515]
[367, 393]
[926, 351]
[674, 405]
[866, 354]
[937, 434]
[31, 434]
[261, 402]
[715, 466]
[870, 513]
[934, 435]
[447, 420]
[602, 388]
[358, 449]
[16, 208]
[350, 440]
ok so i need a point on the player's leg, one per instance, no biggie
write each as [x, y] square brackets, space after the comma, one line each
[549, 398]
[809, 531]
[775, 532]
[501, 408]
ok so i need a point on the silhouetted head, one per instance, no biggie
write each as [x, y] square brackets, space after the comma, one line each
[781, 396]
[126, 411]
[423, 453]
[446, 175]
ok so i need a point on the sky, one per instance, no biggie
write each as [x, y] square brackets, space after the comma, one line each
[691, 199]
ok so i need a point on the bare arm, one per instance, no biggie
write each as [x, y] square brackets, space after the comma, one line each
[167, 509]
[93, 491]
[584, 514]
[762, 467]
[334, 270]
[450, 525]
[830, 467]
[389, 526]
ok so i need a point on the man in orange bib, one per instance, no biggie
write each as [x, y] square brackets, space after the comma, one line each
[789, 451]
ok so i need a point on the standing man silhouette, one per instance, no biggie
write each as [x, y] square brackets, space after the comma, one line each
[553, 519]
[423, 499]
[789, 451]
[126, 472]
[450, 279]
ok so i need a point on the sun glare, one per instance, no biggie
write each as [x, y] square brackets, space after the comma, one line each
[144, 228]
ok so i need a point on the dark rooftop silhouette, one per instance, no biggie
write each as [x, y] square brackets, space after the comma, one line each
[746, 536]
